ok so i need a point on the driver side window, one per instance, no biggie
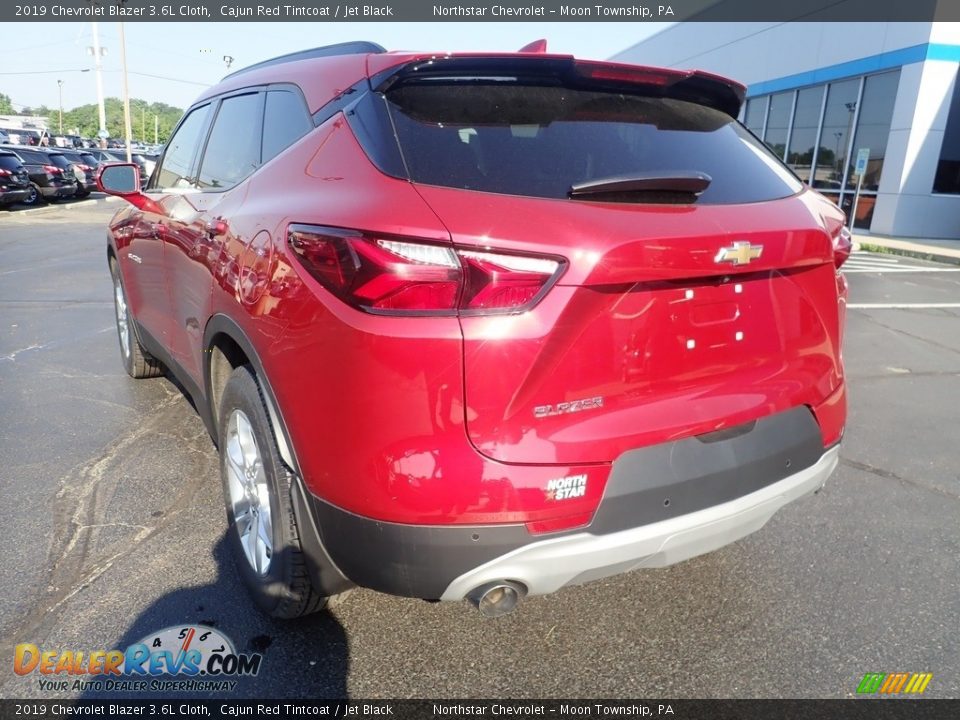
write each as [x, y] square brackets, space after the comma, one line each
[181, 152]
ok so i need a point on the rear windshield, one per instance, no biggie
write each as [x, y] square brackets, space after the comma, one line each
[9, 162]
[520, 139]
[30, 156]
[59, 160]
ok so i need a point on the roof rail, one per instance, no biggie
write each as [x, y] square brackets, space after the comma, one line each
[358, 47]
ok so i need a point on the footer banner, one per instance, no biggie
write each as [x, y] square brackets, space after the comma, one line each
[867, 709]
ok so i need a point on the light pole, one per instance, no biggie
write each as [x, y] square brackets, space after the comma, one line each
[851, 109]
[98, 53]
[60, 93]
[127, 131]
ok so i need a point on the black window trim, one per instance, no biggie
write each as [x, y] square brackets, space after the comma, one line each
[155, 177]
[259, 90]
[284, 87]
[214, 104]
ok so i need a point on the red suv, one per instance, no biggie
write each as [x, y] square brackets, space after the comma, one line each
[483, 326]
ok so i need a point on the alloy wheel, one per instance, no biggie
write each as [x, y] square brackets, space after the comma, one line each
[249, 492]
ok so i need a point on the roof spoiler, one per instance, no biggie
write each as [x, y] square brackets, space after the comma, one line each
[359, 47]
[537, 46]
[694, 86]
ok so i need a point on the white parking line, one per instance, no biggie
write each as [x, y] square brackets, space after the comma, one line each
[871, 256]
[899, 306]
[899, 269]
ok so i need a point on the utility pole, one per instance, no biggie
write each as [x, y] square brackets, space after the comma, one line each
[60, 92]
[156, 129]
[126, 93]
[98, 65]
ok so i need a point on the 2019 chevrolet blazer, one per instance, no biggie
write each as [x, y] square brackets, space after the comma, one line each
[483, 326]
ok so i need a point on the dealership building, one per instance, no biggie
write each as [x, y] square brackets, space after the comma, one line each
[820, 92]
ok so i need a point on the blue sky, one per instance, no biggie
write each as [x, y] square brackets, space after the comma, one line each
[36, 55]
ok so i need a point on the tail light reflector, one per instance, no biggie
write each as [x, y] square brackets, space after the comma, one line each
[842, 246]
[629, 73]
[391, 275]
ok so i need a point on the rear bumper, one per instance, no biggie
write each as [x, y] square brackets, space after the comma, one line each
[58, 191]
[8, 197]
[661, 505]
[548, 565]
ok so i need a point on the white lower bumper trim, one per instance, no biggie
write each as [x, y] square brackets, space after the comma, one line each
[546, 566]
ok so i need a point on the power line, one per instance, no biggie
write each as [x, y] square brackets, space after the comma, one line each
[45, 72]
[163, 77]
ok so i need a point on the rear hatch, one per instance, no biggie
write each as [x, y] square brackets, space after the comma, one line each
[698, 290]
[68, 172]
[12, 173]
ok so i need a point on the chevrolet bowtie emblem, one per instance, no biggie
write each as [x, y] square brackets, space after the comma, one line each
[740, 253]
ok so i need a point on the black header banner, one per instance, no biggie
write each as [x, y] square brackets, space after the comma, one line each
[171, 707]
[483, 10]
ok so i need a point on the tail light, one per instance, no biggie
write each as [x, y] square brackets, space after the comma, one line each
[393, 275]
[628, 73]
[52, 169]
[842, 246]
[5, 173]
[85, 168]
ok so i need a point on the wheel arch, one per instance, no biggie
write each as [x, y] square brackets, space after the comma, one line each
[226, 347]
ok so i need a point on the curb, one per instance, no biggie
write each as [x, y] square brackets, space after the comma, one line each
[924, 254]
[53, 208]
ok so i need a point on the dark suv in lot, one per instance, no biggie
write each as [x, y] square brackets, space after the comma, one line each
[14, 181]
[116, 155]
[84, 169]
[483, 326]
[50, 178]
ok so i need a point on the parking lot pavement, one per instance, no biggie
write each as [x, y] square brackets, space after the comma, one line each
[113, 527]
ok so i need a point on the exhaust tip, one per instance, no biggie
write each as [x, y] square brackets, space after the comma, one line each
[497, 598]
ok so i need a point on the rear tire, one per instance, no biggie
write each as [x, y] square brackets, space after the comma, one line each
[136, 361]
[262, 528]
[35, 197]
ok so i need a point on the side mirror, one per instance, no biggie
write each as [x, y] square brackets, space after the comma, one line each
[121, 179]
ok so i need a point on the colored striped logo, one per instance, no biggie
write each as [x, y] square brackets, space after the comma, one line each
[894, 683]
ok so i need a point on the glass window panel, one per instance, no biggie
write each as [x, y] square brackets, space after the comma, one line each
[285, 120]
[181, 151]
[947, 179]
[755, 112]
[806, 119]
[777, 123]
[873, 127]
[233, 150]
[837, 125]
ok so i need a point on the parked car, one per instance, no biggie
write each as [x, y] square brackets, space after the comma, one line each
[84, 168]
[47, 179]
[70, 170]
[14, 181]
[120, 155]
[4, 138]
[483, 326]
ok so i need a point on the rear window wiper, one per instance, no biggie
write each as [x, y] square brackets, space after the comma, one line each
[620, 187]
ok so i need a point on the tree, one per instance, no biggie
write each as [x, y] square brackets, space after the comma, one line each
[6, 105]
[85, 119]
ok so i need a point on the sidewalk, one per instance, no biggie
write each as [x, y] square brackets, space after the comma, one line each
[945, 251]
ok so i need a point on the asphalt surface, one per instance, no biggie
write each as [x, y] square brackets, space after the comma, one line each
[112, 527]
